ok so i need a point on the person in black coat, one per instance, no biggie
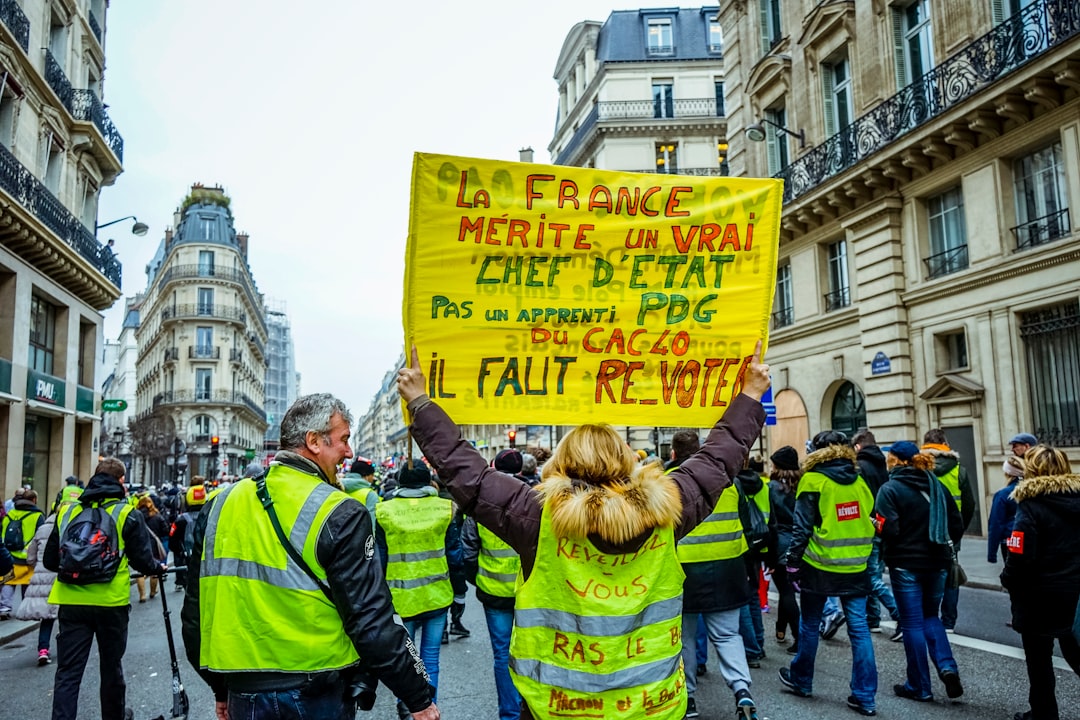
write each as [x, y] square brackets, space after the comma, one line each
[918, 521]
[1042, 572]
[873, 469]
[783, 484]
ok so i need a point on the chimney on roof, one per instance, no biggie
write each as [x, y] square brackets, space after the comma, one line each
[242, 241]
[525, 154]
[168, 235]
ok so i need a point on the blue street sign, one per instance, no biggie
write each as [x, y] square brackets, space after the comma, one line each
[881, 364]
[770, 407]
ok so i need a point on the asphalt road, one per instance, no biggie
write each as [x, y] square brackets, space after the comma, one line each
[991, 667]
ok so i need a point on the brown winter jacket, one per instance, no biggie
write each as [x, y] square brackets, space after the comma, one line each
[616, 519]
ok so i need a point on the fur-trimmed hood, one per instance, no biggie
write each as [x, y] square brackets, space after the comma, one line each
[836, 462]
[618, 512]
[1046, 485]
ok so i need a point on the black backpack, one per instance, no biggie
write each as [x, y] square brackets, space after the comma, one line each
[90, 546]
[757, 532]
[13, 536]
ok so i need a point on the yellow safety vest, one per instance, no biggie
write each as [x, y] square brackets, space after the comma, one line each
[719, 536]
[499, 565]
[70, 494]
[951, 481]
[28, 519]
[842, 543]
[258, 610]
[116, 592]
[416, 568]
[598, 635]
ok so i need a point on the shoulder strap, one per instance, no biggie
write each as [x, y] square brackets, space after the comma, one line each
[263, 493]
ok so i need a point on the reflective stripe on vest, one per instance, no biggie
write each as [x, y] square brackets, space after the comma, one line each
[841, 544]
[116, 592]
[498, 565]
[719, 536]
[599, 635]
[951, 481]
[416, 568]
[258, 610]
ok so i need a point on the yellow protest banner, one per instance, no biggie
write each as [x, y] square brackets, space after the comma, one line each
[559, 295]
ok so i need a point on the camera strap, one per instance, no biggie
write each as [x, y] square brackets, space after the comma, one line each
[263, 494]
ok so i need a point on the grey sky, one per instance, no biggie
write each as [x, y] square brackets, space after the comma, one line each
[308, 114]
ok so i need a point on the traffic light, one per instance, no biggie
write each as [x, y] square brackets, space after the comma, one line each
[215, 442]
[511, 435]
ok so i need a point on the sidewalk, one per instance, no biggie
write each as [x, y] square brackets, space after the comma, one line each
[981, 574]
[12, 629]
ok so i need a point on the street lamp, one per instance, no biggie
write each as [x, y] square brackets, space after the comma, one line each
[138, 229]
[756, 132]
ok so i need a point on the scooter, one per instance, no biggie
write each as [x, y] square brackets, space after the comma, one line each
[179, 695]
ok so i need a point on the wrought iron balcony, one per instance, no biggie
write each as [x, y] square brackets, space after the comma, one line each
[206, 395]
[58, 81]
[95, 26]
[241, 277]
[1015, 42]
[204, 352]
[17, 23]
[86, 106]
[660, 50]
[254, 338]
[236, 355]
[783, 318]
[943, 263]
[172, 354]
[837, 299]
[188, 310]
[29, 192]
[1042, 230]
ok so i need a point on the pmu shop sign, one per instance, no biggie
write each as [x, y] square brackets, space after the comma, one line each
[45, 388]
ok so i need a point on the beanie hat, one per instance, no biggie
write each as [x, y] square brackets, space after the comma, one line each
[786, 458]
[508, 461]
[1014, 467]
[361, 467]
[416, 477]
[904, 450]
[254, 470]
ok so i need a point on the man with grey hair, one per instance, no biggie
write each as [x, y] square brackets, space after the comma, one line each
[268, 551]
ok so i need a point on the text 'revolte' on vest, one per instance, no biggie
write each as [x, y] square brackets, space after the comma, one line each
[842, 543]
[498, 565]
[258, 609]
[116, 592]
[416, 568]
[598, 635]
[719, 536]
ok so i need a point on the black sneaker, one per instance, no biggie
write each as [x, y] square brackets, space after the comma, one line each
[902, 690]
[753, 661]
[786, 681]
[859, 707]
[458, 630]
[702, 670]
[745, 709]
[691, 709]
[953, 687]
[897, 635]
[832, 625]
[793, 650]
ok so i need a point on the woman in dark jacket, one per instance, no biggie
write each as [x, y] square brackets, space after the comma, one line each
[918, 520]
[155, 522]
[1042, 572]
[784, 483]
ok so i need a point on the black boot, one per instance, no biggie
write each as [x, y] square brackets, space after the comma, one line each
[456, 628]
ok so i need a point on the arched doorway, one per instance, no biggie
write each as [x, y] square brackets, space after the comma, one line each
[792, 425]
[848, 409]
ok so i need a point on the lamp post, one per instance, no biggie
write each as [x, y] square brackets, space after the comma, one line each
[138, 229]
[755, 132]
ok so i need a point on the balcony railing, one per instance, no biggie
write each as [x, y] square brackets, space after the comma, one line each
[236, 355]
[1042, 230]
[29, 192]
[837, 299]
[946, 262]
[204, 352]
[783, 318]
[258, 344]
[181, 272]
[650, 109]
[86, 106]
[224, 312]
[200, 395]
[1015, 42]
[58, 81]
[660, 50]
[16, 21]
[172, 354]
[95, 26]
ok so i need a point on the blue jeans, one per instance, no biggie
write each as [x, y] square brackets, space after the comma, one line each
[500, 623]
[428, 645]
[45, 634]
[291, 705]
[880, 591]
[918, 595]
[752, 628]
[702, 640]
[863, 667]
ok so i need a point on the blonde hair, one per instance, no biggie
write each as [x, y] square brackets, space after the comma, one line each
[1042, 461]
[146, 503]
[592, 453]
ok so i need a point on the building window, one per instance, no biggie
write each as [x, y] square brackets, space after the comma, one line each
[663, 95]
[42, 335]
[37, 441]
[719, 88]
[952, 354]
[839, 295]
[839, 105]
[53, 154]
[8, 104]
[716, 35]
[206, 263]
[204, 341]
[201, 426]
[659, 37]
[783, 303]
[776, 142]
[913, 43]
[202, 383]
[721, 158]
[1052, 347]
[206, 228]
[948, 236]
[206, 301]
[1042, 209]
[770, 25]
[848, 409]
[667, 161]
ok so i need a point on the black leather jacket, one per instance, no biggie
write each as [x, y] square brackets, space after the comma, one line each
[360, 593]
